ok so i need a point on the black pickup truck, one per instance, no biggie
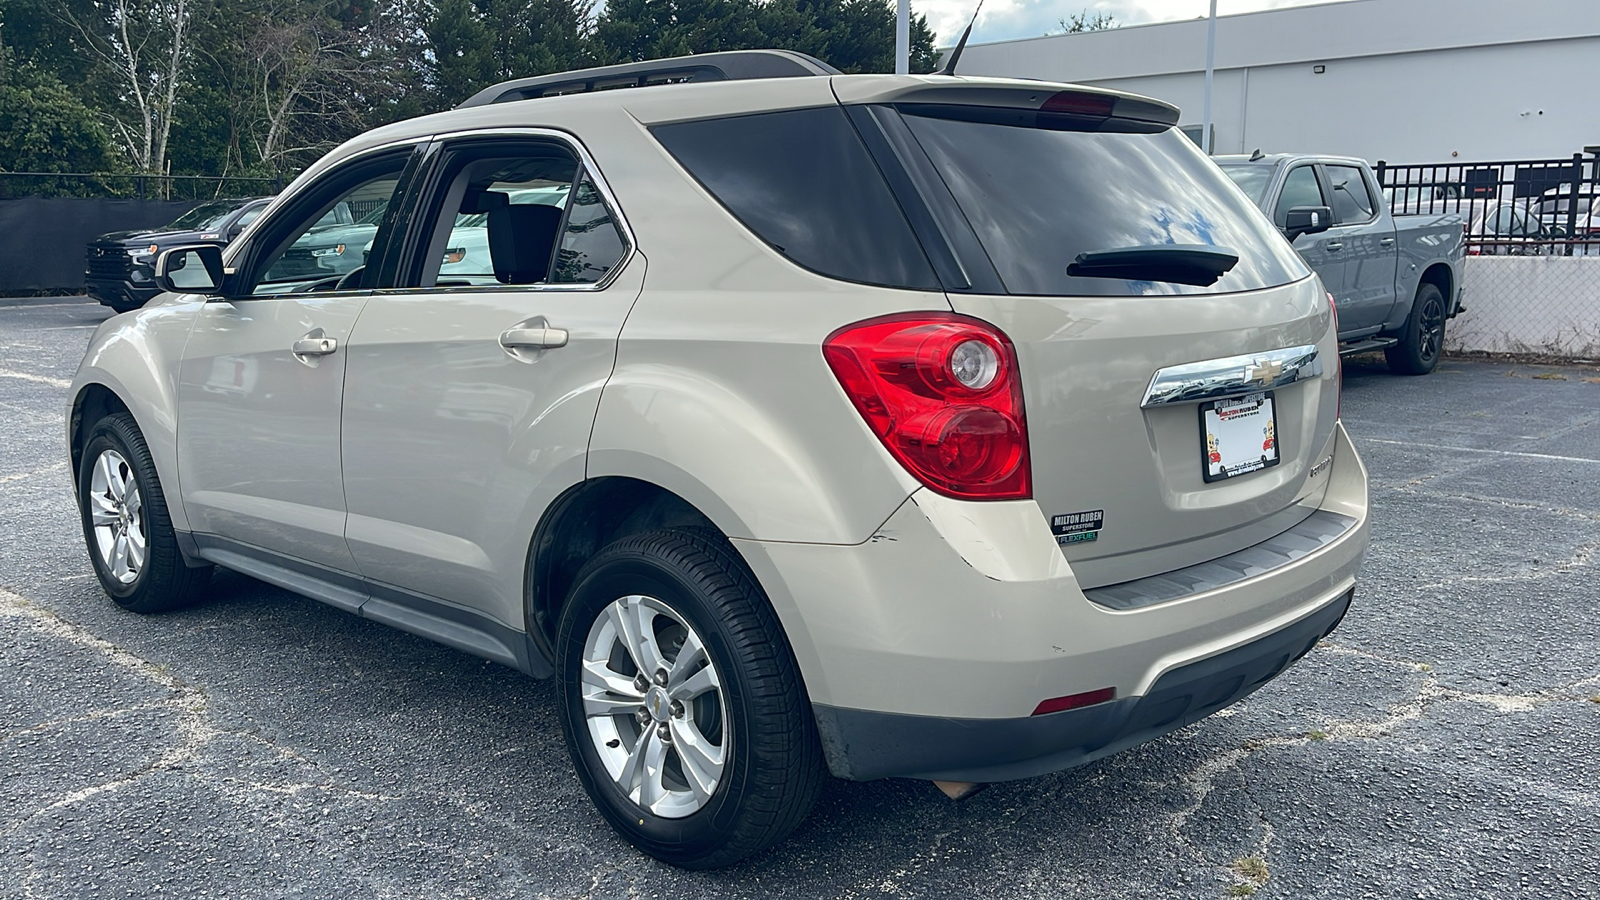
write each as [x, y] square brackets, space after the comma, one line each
[117, 269]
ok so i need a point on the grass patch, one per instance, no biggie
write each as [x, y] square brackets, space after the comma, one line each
[1550, 376]
[1595, 699]
[1241, 890]
[1252, 869]
[1316, 734]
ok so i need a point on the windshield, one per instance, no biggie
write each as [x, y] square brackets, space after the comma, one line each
[1037, 198]
[1252, 179]
[203, 217]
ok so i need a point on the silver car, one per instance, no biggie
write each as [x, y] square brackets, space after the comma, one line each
[956, 429]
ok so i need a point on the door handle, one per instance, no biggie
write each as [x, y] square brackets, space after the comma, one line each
[320, 346]
[545, 338]
[1386, 242]
[1333, 246]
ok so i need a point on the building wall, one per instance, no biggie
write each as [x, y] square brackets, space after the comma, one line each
[1404, 80]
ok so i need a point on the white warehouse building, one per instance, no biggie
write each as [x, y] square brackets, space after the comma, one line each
[1407, 81]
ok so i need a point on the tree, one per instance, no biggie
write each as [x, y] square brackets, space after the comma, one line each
[142, 47]
[44, 128]
[471, 44]
[1083, 21]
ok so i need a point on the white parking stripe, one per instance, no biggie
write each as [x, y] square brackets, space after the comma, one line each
[42, 379]
[1581, 459]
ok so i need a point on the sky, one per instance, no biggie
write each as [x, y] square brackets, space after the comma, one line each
[1006, 19]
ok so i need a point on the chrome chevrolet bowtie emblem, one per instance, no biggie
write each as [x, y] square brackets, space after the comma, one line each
[1263, 371]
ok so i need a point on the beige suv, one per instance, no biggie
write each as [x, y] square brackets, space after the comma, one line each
[958, 429]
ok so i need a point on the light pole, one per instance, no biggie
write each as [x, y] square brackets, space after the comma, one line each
[902, 39]
[1211, 55]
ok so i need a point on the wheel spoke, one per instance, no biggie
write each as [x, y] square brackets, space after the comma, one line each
[606, 693]
[134, 501]
[651, 788]
[109, 475]
[701, 760]
[119, 556]
[690, 656]
[136, 549]
[633, 619]
[628, 778]
[695, 685]
[102, 509]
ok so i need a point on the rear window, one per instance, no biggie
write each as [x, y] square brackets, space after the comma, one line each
[1037, 198]
[803, 182]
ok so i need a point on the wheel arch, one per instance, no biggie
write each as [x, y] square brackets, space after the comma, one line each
[93, 402]
[1440, 276]
[582, 520]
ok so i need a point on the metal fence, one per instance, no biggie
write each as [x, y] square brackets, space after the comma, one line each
[1530, 207]
[113, 186]
[1531, 284]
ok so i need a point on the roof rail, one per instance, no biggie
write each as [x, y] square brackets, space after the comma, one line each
[733, 65]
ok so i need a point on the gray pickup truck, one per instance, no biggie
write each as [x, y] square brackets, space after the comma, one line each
[1395, 280]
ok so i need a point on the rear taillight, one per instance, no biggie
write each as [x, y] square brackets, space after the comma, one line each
[1338, 361]
[943, 393]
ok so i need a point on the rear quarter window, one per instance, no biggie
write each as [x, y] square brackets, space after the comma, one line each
[802, 181]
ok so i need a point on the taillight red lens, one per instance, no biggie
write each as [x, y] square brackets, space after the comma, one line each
[943, 393]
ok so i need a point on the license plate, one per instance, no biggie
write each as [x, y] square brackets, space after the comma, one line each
[1237, 436]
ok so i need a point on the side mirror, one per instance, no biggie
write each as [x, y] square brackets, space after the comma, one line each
[194, 269]
[1306, 220]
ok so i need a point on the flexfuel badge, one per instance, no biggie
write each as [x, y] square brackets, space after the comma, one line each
[1078, 527]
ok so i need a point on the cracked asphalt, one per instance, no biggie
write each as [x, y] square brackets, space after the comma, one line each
[1444, 742]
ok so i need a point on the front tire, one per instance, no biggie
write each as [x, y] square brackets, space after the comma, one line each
[682, 704]
[1422, 341]
[126, 526]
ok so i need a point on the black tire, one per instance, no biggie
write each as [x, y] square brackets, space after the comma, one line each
[773, 766]
[162, 581]
[1422, 341]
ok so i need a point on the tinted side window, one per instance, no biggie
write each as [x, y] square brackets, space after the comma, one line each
[803, 182]
[592, 243]
[1350, 200]
[314, 243]
[1299, 189]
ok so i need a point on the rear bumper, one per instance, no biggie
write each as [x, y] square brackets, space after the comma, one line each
[926, 649]
[880, 744]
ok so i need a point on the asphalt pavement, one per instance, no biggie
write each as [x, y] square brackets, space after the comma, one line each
[1444, 742]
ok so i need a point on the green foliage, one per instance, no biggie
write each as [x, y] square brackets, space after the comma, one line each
[45, 128]
[1080, 22]
[263, 87]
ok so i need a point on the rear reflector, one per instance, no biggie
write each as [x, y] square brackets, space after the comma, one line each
[1075, 701]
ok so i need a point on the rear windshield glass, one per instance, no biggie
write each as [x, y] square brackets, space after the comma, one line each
[804, 183]
[1037, 198]
[1252, 179]
[203, 217]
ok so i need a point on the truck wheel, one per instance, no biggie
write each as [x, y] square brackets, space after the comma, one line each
[125, 523]
[682, 703]
[1422, 341]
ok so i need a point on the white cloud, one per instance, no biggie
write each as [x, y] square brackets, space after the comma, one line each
[1007, 19]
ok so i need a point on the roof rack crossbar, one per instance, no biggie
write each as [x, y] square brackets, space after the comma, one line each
[735, 65]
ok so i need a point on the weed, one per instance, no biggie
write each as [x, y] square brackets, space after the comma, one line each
[1595, 699]
[1317, 735]
[1251, 868]
[1241, 890]
[1550, 376]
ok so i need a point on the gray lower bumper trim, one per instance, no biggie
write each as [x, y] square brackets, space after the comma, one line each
[1318, 530]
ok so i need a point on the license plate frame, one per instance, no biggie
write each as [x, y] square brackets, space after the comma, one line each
[1227, 425]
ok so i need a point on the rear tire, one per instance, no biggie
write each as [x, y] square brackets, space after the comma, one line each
[126, 527]
[754, 763]
[1422, 341]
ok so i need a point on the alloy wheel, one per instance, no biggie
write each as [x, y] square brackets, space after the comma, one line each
[116, 511]
[654, 706]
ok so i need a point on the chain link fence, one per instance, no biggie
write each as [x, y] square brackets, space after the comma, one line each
[1529, 305]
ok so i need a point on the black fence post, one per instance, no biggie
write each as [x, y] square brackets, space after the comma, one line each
[1378, 171]
[1572, 201]
[141, 187]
